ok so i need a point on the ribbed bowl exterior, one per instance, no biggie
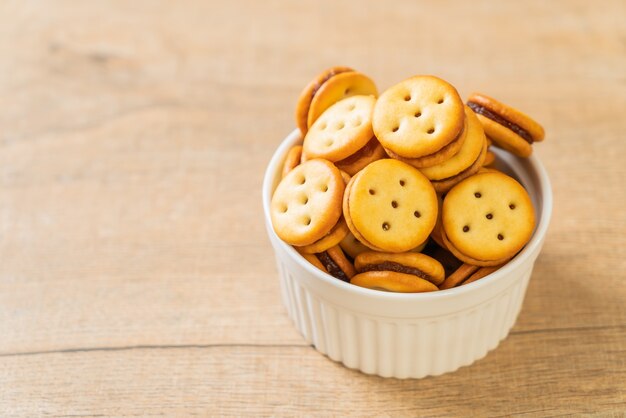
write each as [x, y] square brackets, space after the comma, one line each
[400, 335]
[397, 347]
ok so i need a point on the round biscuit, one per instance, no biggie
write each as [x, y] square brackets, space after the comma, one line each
[490, 158]
[309, 92]
[426, 264]
[292, 159]
[371, 152]
[393, 282]
[442, 186]
[331, 239]
[459, 275]
[341, 86]
[488, 216]
[482, 272]
[467, 259]
[505, 138]
[337, 255]
[418, 116]
[467, 155]
[312, 258]
[511, 114]
[390, 206]
[352, 246]
[438, 157]
[307, 202]
[342, 130]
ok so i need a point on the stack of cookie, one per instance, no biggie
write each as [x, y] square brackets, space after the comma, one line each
[392, 192]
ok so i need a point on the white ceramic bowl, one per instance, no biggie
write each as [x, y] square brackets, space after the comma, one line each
[416, 334]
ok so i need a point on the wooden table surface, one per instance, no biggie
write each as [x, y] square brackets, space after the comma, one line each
[136, 277]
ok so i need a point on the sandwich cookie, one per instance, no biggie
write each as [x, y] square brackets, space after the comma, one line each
[490, 158]
[390, 206]
[418, 117]
[306, 204]
[342, 130]
[506, 126]
[332, 261]
[436, 232]
[334, 237]
[327, 88]
[372, 151]
[438, 157]
[466, 162]
[417, 264]
[465, 274]
[393, 282]
[352, 246]
[487, 219]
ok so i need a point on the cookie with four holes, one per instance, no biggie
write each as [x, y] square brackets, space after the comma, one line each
[330, 86]
[306, 204]
[418, 116]
[466, 162]
[390, 206]
[487, 219]
[506, 126]
[342, 130]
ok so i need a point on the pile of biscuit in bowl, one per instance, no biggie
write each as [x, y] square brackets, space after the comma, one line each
[398, 191]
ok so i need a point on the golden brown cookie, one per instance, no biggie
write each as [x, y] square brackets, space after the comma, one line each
[342, 130]
[490, 158]
[310, 91]
[467, 259]
[438, 157]
[352, 246]
[465, 274]
[442, 186]
[487, 218]
[339, 87]
[461, 274]
[334, 237]
[312, 258]
[418, 116]
[392, 281]
[390, 206]
[480, 273]
[346, 177]
[417, 264]
[292, 159]
[506, 126]
[332, 261]
[336, 263]
[420, 247]
[306, 205]
[436, 232]
[463, 164]
[372, 151]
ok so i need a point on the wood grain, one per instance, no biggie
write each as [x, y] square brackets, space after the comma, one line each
[135, 274]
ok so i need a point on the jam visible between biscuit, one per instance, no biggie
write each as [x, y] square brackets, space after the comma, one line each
[482, 110]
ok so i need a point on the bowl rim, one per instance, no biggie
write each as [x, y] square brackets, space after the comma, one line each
[545, 190]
